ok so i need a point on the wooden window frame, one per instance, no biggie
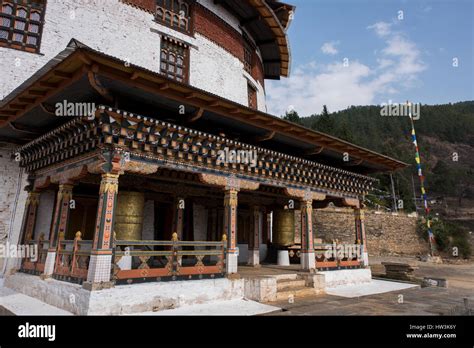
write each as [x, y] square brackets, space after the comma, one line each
[248, 57]
[162, 9]
[38, 6]
[171, 47]
[252, 96]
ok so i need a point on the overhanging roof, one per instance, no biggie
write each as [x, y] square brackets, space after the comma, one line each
[266, 21]
[23, 114]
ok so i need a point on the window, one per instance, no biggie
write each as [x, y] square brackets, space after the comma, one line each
[174, 59]
[175, 14]
[252, 93]
[248, 57]
[21, 24]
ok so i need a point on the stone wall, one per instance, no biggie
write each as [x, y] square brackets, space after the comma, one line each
[12, 200]
[387, 234]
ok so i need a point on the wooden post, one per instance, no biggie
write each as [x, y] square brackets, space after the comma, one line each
[31, 211]
[254, 240]
[308, 260]
[230, 227]
[359, 218]
[60, 223]
[101, 255]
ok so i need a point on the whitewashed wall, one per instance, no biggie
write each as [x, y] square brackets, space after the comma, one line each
[123, 31]
[12, 202]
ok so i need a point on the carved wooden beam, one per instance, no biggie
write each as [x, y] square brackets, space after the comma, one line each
[196, 116]
[266, 137]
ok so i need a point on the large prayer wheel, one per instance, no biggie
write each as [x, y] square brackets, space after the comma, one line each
[129, 215]
[283, 227]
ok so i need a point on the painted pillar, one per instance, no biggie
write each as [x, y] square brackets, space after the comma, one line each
[101, 256]
[254, 240]
[359, 217]
[230, 227]
[308, 260]
[178, 217]
[59, 225]
[31, 211]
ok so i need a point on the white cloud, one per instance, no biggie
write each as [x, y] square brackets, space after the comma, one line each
[330, 48]
[382, 29]
[338, 86]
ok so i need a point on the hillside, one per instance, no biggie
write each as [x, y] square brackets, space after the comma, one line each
[446, 141]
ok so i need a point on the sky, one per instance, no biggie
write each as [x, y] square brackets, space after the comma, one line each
[366, 52]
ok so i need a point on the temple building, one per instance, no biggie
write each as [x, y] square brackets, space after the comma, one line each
[136, 146]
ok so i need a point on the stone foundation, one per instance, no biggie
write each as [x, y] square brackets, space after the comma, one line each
[125, 299]
[333, 279]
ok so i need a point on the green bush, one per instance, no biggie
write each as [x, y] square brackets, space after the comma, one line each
[448, 235]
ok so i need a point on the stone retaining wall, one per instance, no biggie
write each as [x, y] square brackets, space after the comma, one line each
[387, 234]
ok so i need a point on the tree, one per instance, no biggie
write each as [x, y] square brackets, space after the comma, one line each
[325, 122]
[292, 116]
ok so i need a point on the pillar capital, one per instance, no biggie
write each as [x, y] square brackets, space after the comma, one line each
[33, 198]
[109, 183]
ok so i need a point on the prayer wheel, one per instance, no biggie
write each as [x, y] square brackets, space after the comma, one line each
[129, 215]
[283, 227]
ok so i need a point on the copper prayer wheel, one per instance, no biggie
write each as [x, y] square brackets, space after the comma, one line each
[129, 215]
[283, 227]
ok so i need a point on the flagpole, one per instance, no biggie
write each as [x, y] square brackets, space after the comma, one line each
[422, 183]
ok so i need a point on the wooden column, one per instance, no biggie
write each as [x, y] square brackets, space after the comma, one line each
[359, 217]
[308, 261]
[29, 221]
[254, 240]
[59, 225]
[101, 256]
[178, 221]
[230, 227]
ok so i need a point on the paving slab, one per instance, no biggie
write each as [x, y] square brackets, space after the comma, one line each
[374, 287]
[14, 303]
[239, 307]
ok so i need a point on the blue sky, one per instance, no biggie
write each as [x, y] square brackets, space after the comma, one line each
[390, 55]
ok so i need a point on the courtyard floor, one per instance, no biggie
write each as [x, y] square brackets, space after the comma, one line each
[414, 301]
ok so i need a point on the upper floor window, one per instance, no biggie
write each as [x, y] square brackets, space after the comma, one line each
[252, 95]
[21, 24]
[174, 59]
[248, 57]
[175, 14]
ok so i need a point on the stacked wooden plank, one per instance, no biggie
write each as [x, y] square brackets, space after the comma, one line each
[399, 271]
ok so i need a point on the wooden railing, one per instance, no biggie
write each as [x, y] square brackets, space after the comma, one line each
[72, 259]
[337, 256]
[36, 266]
[139, 261]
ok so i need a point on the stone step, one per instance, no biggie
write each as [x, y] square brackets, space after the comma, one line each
[296, 293]
[290, 283]
[290, 276]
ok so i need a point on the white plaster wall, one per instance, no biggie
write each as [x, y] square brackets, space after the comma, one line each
[44, 215]
[12, 202]
[148, 229]
[123, 31]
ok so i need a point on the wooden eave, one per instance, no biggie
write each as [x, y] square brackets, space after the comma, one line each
[84, 59]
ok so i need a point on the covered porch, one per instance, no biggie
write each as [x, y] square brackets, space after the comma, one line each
[151, 202]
